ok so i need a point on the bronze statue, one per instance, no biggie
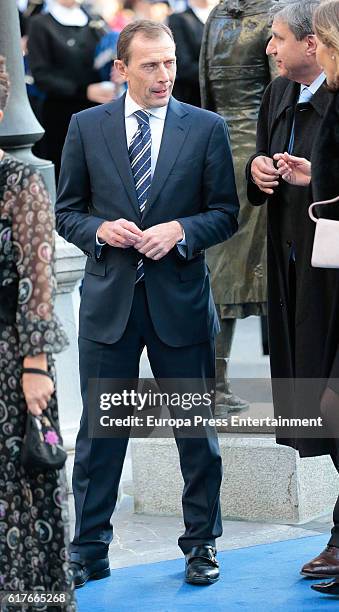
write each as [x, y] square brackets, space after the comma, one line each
[234, 72]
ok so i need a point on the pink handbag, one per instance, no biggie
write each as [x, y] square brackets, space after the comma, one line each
[326, 239]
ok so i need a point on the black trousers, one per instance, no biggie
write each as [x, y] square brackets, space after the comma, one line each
[334, 539]
[99, 461]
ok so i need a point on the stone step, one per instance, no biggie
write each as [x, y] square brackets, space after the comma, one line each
[263, 481]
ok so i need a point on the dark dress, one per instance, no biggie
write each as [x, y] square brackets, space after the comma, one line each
[61, 60]
[33, 510]
[325, 186]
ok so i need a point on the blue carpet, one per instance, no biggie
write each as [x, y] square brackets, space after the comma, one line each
[261, 578]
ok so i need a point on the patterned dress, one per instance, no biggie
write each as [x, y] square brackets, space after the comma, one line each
[33, 510]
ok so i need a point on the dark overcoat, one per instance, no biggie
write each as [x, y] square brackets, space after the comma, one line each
[302, 324]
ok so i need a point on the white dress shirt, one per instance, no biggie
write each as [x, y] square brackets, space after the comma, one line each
[156, 122]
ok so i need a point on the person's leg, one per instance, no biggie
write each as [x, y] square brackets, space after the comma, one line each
[264, 335]
[329, 559]
[200, 458]
[332, 549]
[225, 401]
[334, 539]
[99, 461]
[326, 564]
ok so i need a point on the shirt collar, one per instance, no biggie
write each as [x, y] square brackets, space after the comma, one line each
[201, 13]
[313, 88]
[73, 16]
[131, 107]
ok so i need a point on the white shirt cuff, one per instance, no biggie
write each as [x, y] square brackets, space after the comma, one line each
[98, 241]
[181, 245]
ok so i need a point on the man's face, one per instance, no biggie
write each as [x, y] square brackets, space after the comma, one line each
[292, 56]
[151, 70]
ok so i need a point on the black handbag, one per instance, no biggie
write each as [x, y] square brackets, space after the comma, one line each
[42, 448]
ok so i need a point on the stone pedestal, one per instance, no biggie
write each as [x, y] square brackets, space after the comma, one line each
[262, 481]
[70, 263]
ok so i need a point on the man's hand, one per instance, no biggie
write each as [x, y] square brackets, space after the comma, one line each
[264, 174]
[120, 233]
[158, 240]
[294, 170]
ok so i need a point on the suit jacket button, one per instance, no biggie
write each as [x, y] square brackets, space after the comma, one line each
[289, 243]
[281, 303]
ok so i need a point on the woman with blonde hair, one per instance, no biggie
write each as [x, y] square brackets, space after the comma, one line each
[322, 172]
[33, 507]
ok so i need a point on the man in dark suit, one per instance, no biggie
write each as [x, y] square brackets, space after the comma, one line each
[146, 185]
[188, 28]
[291, 111]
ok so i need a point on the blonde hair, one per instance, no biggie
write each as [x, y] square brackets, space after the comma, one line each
[326, 28]
[4, 83]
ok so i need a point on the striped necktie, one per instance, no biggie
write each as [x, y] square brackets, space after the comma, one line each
[140, 158]
[305, 96]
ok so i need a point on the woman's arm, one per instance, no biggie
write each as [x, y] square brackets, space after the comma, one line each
[294, 170]
[39, 332]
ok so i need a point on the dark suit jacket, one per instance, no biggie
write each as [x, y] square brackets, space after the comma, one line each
[193, 183]
[187, 31]
[298, 319]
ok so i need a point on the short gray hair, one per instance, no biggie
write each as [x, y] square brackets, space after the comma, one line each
[297, 15]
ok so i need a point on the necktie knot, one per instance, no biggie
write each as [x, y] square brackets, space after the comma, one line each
[142, 117]
[305, 96]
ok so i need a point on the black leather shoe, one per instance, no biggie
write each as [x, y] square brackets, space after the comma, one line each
[83, 570]
[327, 588]
[201, 565]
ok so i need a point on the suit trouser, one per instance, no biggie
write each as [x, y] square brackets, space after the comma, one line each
[99, 461]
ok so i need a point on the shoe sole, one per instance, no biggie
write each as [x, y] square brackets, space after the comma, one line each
[324, 576]
[202, 581]
[97, 576]
[327, 593]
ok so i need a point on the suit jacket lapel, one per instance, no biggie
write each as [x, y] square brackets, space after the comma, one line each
[288, 100]
[319, 101]
[175, 131]
[114, 133]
